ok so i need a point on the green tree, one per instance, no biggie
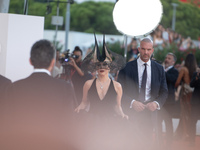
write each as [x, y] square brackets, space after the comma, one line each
[97, 16]
[187, 18]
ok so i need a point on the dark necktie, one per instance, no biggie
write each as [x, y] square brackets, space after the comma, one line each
[143, 85]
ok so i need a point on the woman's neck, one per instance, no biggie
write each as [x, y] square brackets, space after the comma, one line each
[103, 78]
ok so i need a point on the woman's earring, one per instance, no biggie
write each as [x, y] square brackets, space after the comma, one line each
[96, 74]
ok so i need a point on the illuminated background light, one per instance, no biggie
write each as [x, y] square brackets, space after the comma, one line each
[137, 18]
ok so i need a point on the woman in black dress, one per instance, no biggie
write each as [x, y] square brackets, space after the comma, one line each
[102, 100]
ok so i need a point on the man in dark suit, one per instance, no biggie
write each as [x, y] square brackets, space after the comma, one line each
[170, 107]
[145, 91]
[4, 83]
[38, 112]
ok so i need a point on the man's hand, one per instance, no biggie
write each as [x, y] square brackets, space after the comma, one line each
[138, 106]
[152, 106]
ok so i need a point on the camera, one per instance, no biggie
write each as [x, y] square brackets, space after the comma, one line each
[65, 57]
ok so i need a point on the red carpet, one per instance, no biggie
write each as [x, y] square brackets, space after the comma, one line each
[184, 145]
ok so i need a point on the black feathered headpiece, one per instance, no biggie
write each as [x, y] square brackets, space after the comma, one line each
[115, 60]
[98, 57]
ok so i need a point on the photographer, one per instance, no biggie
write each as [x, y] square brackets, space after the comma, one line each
[77, 76]
[75, 61]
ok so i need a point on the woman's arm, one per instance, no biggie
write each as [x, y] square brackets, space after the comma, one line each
[118, 107]
[180, 76]
[84, 103]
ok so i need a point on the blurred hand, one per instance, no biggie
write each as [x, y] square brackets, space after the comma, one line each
[72, 62]
[138, 106]
[80, 107]
[126, 117]
[152, 106]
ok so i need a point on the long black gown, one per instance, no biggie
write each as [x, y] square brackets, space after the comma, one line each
[102, 109]
[104, 129]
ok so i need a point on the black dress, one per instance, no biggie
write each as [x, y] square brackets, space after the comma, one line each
[102, 109]
[103, 123]
[103, 128]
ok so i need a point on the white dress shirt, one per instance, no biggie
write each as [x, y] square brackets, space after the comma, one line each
[166, 69]
[141, 67]
[42, 70]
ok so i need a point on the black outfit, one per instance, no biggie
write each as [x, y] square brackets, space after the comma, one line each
[146, 120]
[169, 109]
[4, 83]
[104, 128]
[38, 114]
[78, 82]
[195, 106]
[107, 103]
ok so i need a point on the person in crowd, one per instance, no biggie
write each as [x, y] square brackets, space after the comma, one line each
[77, 76]
[170, 106]
[132, 49]
[103, 97]
[58, 68]
[39, 108]
[184, 78]
[176, 38]
[165, 35]
[158, 40]
[171, 36]
[145, 91]
[195, 106]
[5, 82]
[186, 44]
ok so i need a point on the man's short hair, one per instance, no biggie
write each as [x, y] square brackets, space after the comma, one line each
[146, 39]
[174, 56]
[42, 53]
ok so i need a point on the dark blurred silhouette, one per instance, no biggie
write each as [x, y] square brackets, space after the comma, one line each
[38, 111]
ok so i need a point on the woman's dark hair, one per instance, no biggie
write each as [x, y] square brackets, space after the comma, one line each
[77, 49]
[191, 64]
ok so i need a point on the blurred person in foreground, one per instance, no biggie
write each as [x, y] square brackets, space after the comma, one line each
[169, 108]
[77, 76]
[102, 100]
[184, 78]
[4, 83]
[38, 111]
[58, 68]
[145, 91]
[195, 106]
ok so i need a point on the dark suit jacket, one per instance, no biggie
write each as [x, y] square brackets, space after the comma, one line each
[4, 83]
[38, 113]
[171, 77]
[128, 77]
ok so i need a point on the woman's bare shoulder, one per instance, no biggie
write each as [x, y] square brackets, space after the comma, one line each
[117, 85]
[88, 83]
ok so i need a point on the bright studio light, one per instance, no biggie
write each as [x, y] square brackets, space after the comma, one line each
[137, 18]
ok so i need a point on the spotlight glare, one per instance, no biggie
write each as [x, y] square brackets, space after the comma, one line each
[137, 17]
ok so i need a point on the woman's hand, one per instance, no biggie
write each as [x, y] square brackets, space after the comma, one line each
[120, 112]
[126, 117]
[80, 107]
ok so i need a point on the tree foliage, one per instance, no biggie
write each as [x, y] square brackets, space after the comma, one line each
[97, 16]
